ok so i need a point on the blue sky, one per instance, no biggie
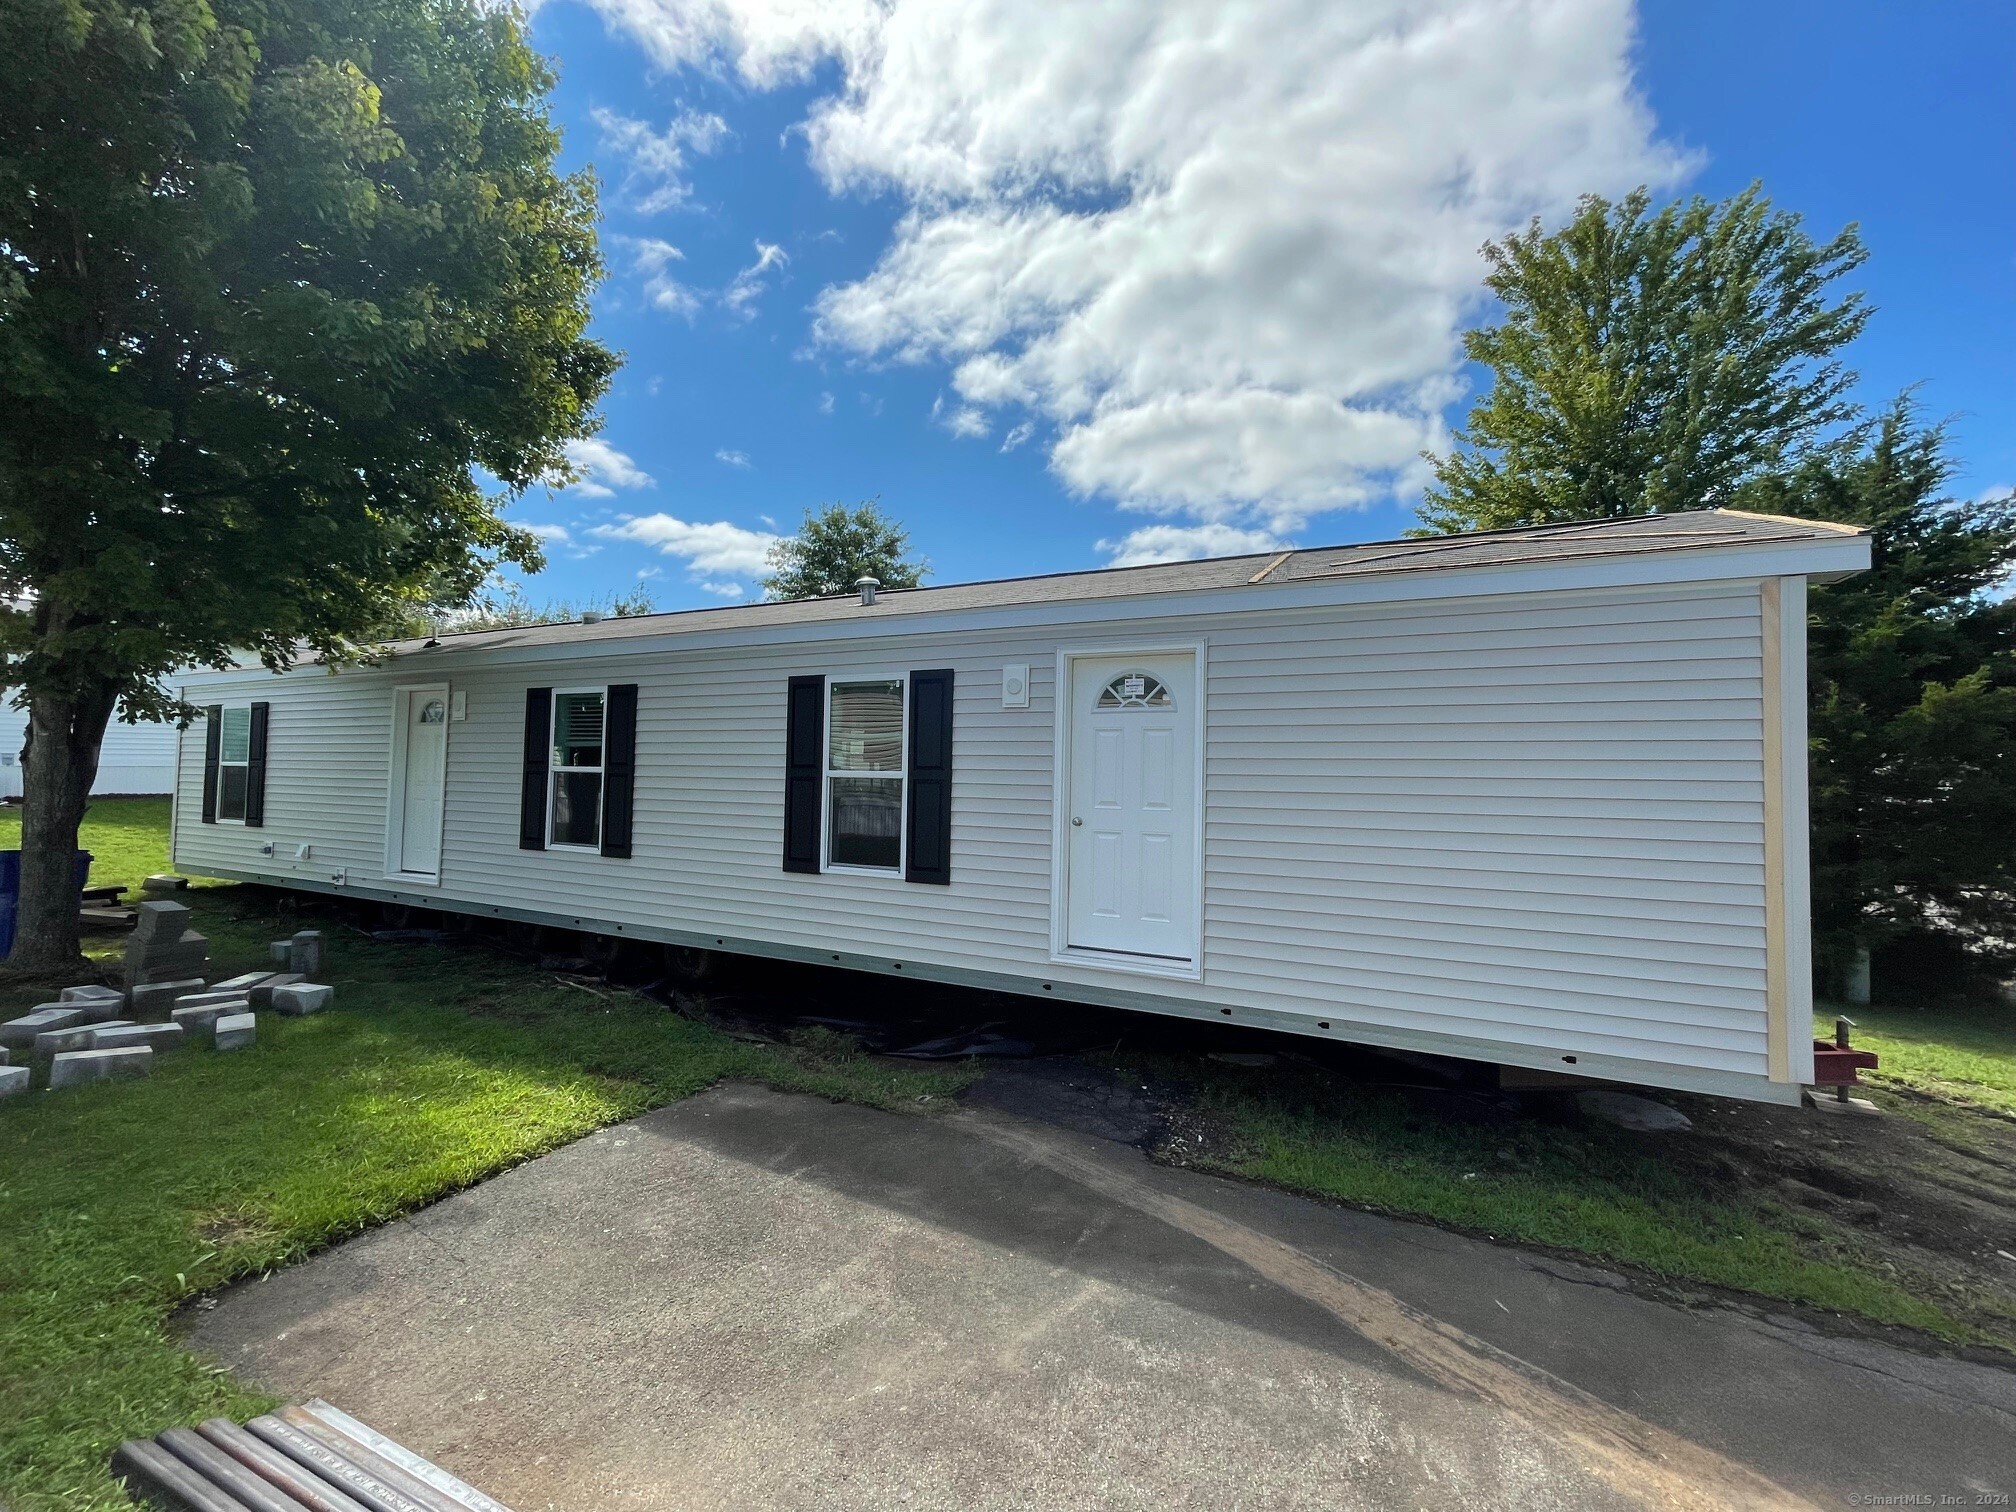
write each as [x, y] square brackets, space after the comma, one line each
[1064, 286]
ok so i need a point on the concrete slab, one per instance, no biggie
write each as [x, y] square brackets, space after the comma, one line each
[92, 992]
[53, 1042]
[245, 983]
[127, 1036]
[751, 1300]
[212, 995]
[81, 1066]
[13, 1080]
[235, 1031]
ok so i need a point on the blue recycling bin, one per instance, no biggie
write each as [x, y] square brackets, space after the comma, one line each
[10, 892]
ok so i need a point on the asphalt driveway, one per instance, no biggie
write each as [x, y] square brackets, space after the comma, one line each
[752, 1300]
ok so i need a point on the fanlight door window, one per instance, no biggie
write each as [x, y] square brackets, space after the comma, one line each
[1135, 690]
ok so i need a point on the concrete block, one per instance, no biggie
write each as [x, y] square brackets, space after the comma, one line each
[53, 1042]
[160, 882]
[94, 1010]
[240, 985]
[304, 952]
[81, 1066]
[155, 1000]
[22, 1031]
[158, 918]
[92, 994]
[13, 1079]
[261, 996]
[236, 1030]
[300, 999]
[200, 1018]
[155, 1036]
[281, 950]
[5, 1055]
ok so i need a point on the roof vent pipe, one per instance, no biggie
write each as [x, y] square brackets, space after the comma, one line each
[591, 616]
[867, 585]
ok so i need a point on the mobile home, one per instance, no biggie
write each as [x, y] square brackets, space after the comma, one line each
[136, 760]
[1532, 797]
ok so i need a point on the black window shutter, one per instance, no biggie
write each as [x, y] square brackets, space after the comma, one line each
[213, 746]
[930, 817]
[619, 767]
[255, 767]
[532, 798]
[804, 772]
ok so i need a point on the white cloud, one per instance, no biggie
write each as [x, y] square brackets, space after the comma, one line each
[603, 469]
[652, 260]
[965, 420]
[713, 551]
[748, 285]
[723, 590]
[732, 458]
[1222, 252]
[825, 404]
[1017, 434]
[655, 171]
[1186, 543]
[556, 535]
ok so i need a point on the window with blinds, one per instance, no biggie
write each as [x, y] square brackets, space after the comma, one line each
[865, 775]
[578, 722]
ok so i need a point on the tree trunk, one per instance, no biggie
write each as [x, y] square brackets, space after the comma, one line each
[58, 765]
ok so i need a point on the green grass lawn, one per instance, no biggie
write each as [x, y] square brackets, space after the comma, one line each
[1587, 1188]
[1953, 1054]
[127, 838]
[438, 1068]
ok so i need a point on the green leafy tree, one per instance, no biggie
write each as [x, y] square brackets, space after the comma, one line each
[1913, 699]
[508, 608]
[276, 277]
[1648, 362]
[836, 547]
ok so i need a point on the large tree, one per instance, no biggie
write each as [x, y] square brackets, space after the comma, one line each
[276, 278]
[838, 546]
[1913, 704]
[1649, 361]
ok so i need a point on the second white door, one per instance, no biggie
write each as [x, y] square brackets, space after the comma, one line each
[1132, 815]
[425, 772]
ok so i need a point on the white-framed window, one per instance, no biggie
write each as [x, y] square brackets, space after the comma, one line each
[234, 761]
[866, 737]
[574, 806]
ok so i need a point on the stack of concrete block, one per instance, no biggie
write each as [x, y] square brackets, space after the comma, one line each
[162, 951]
[12, 1078]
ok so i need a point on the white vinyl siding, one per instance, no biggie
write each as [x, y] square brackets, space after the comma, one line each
[1532, 821]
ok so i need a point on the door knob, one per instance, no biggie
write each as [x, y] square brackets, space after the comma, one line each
[1077, 820]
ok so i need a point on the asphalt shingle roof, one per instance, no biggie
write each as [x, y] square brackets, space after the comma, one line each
[1634, 535]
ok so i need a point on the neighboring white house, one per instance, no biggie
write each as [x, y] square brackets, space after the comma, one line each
[1533, 797]
[136, 758]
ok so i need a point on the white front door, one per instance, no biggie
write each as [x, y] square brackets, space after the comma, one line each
[1131, 821]
[425, 772]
